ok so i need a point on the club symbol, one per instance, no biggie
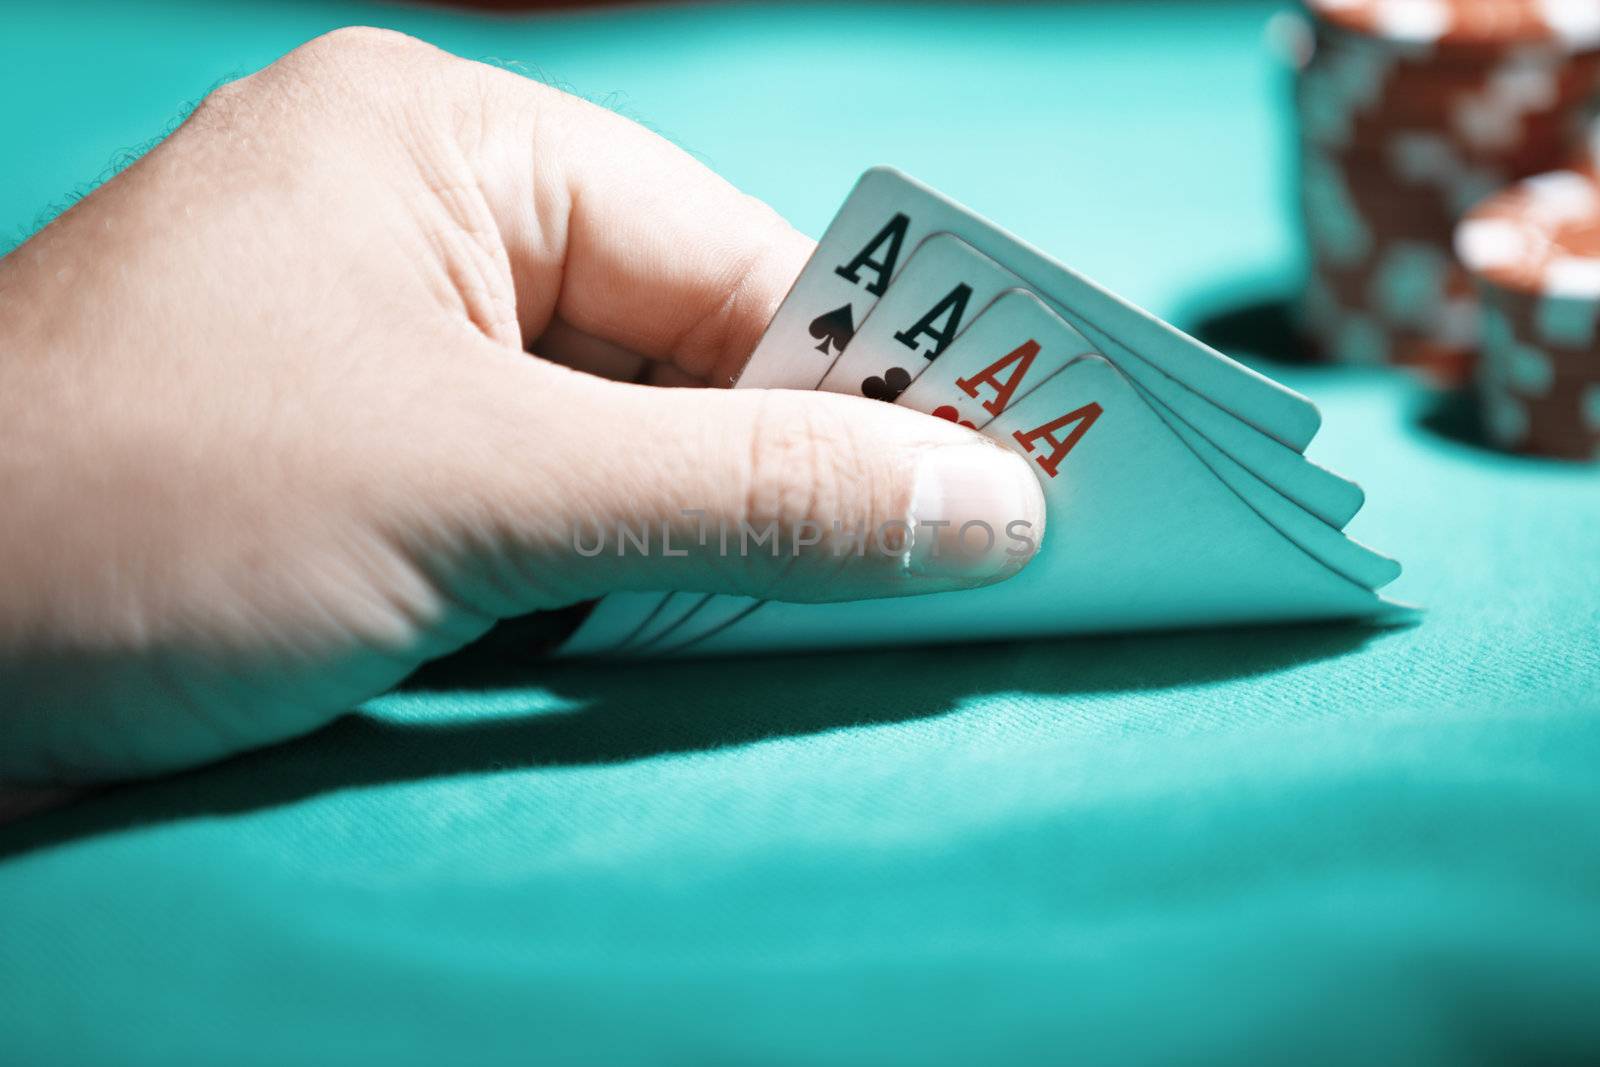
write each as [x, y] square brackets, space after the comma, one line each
[947, 411]
[834, 328]
[888, 387]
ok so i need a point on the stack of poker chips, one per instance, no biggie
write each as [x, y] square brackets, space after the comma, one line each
[1411, 112]
[1534, 251]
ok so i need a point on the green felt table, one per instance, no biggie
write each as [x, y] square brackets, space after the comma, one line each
[1310, 844]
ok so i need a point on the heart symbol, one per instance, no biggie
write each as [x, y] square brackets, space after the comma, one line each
[945, 411]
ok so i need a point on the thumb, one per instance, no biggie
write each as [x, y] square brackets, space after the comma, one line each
[776, 494]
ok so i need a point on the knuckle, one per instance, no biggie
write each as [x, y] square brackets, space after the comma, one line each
[357, 78]
[801, 466]
[358, 43]
[359, 64]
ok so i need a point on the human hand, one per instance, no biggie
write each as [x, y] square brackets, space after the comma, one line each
[271, 435]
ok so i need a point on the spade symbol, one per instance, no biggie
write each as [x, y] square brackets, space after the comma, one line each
[834, 328]
[888, 387]
[946, 411]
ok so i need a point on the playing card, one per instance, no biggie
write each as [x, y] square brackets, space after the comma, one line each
[1013, 345]
[888, 215]
[1140, 535]
[945, 284]
[609, 625]
[1018, 340]
[670, 612]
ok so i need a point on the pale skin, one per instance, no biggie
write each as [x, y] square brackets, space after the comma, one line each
[315, 391]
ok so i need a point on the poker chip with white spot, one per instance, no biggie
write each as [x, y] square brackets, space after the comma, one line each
[1534, 252]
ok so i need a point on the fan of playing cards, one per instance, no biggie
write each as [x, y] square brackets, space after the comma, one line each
[1179, 475]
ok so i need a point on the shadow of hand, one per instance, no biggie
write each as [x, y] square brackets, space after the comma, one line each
[636, 711]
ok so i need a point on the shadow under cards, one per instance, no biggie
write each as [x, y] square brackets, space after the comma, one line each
[635, 711]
